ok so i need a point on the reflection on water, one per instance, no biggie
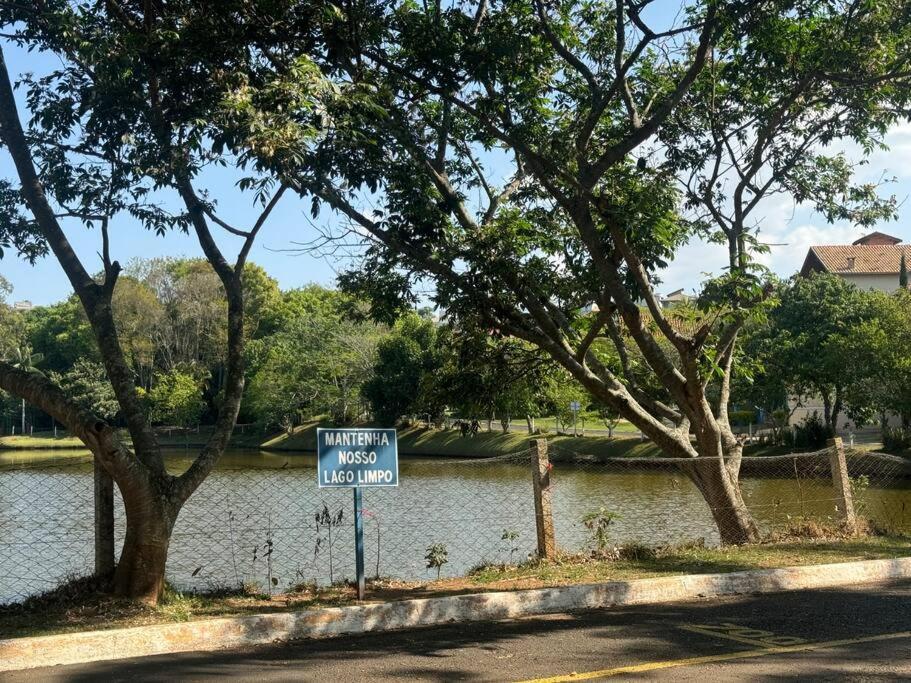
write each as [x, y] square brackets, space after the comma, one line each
[253, 520]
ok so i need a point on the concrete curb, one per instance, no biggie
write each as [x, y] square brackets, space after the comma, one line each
[232, 632]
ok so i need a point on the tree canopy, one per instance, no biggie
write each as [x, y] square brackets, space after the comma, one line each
[527, 159]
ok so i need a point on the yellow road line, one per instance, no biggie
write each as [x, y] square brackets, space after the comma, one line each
[755, 642]
[708, 659]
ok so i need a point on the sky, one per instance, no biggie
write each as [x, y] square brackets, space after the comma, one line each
[780, 222]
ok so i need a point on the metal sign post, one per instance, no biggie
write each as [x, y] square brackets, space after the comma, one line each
[359, 542]
[575, 406]
[357, 458]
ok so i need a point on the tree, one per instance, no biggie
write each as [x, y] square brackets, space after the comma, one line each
[23, 360]
[403, 360]
[903, 273]
[316, 360]
[125, 127]
[12, 323]
[176, 399]
[503, 152]
[809, 340]
[63, 334]
[481, 375]
[137, 315]
[87, 385]
[12, 337]
[876, 349]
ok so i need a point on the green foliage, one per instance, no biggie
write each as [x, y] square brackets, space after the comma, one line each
[87, 384]
[896, 439]
[12, 323]
[809, 340]
[316, 360]
[511, 537]
[812, 432]
[482, 376]
[62, 333]
[859, 486]
[436, 556]
[176, 399]
[138, 317]
[598, 522]
[877, 350]
[404, 359]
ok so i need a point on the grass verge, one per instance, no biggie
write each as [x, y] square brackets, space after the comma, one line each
[80, 605]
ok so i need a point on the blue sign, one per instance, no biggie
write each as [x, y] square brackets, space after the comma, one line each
[357, 458]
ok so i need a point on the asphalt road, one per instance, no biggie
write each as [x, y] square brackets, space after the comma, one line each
[849, 633]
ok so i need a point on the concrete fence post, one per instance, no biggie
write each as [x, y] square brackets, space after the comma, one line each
[104, 521]
[544, 520]
[842, 482]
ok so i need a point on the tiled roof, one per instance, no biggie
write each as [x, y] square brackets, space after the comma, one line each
[878, 238]
[870, 259]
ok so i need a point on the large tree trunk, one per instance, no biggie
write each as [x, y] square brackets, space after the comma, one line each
[720, 486]
[141, 569]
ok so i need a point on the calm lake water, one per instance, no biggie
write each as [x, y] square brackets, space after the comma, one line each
[254, 521]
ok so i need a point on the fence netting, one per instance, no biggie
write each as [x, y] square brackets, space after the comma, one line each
[260, 520]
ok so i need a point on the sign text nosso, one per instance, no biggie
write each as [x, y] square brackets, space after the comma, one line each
[357, 457]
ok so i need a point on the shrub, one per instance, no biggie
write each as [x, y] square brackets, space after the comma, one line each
[812, 432]
[637, 552]
[598, 523]
[896, 438]
[437, 555]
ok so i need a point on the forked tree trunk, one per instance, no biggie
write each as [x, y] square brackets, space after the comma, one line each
[720, 487]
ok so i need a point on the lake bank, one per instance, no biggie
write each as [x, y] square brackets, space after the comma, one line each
[415, 441]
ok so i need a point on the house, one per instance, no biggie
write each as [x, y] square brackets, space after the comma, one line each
[675, 298]
[671, 300]
[23, 306]
[872, 262]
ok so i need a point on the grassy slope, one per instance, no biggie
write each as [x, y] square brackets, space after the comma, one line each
[39, 442]
[78, 606]
[417, 441]
[412, 441]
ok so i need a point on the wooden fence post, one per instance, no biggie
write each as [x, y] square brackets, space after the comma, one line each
[544, 520]
[842, 482]
[104, 521]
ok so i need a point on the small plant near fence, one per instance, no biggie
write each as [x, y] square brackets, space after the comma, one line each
[326, 522]
[859, 486]
[437, 555]
[267, 550]
[511, 536]
[598, 523]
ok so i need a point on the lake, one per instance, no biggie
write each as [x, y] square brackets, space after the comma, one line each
[254, 520]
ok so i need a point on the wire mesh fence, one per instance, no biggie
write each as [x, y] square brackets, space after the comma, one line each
[260, 520]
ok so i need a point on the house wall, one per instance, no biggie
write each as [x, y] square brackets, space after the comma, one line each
[882, 283]
[814, 404]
